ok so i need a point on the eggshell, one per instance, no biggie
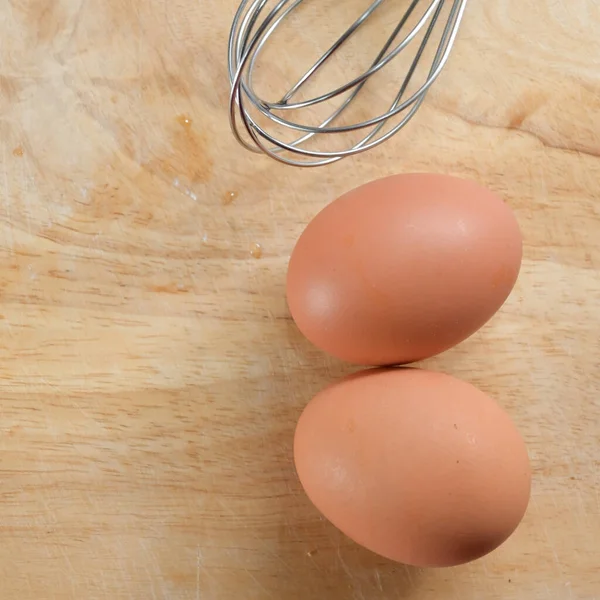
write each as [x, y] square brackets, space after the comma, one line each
[417, 466]
[403, 268]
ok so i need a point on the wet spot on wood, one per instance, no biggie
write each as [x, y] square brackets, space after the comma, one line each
[184, 121]
[256, 250]
[228, 198]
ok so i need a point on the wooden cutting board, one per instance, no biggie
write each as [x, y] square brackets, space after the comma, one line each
[151, 376]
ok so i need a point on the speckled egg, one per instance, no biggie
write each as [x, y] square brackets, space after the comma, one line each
[417, 466]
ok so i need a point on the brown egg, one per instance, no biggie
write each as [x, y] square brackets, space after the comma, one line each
[403, 268]
[416, 466]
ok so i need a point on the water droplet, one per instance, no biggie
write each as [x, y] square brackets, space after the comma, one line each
[176, 182]
[228, 198]
[205, 239]
[184, 121]
[256, 250]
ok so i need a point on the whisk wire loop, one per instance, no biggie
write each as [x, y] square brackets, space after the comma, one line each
[248, 38]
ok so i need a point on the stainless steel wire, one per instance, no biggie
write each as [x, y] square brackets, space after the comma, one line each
[248, 37]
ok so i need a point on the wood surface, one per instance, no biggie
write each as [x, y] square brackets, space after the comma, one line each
[151, 376]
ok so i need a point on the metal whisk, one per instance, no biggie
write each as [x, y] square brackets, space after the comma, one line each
[252, 114]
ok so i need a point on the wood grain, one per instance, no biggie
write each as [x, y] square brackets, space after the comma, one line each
[150, 375]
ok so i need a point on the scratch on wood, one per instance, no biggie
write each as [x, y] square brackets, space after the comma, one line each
[343, 563]
[198, 568]
[378, 580]
[549, 541]
[7, 199]
[260, 585]
[259, 540]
